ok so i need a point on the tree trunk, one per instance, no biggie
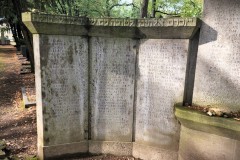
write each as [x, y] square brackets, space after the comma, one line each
[19, 31]
[29, 44]
[14, 32]
[26, 34]
[144, 9]
[108, 12]
[153, 8]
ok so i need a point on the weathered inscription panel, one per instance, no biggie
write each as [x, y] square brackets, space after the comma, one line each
[161, 78]
[64, 71]
[217, 82]
[112, 88]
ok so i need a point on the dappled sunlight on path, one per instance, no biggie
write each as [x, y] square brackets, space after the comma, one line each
[17, 124]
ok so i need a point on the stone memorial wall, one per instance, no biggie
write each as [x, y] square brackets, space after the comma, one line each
[218, 62]
[63, 82]
[109, 85]
[160, 84]
[112, 89]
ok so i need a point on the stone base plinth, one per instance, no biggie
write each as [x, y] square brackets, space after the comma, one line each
[205, 137]
[153, 153]
[197, 145]
[111, 147]
[64, 150]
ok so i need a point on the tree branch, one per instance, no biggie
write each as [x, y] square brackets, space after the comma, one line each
[170, 14]
[124, 4]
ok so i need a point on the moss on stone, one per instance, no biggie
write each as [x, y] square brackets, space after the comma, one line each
[200, 121]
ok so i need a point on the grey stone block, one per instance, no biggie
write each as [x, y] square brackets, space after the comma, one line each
[160, 83]
[217, 72]
[112, 88]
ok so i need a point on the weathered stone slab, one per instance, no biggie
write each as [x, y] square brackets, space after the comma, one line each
[112, 88]
[65, 150]
[197, 145]
[62, 89]
[161, 78]
[217, 81]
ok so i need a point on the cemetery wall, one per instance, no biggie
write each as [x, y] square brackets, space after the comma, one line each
[99, 81]
[109, 85]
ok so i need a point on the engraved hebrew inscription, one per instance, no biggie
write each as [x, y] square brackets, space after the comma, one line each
[161, 77]
[112, 88]
[64, 71]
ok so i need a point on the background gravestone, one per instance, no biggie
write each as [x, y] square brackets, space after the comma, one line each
[112, 93]
[2, 37]
[23, 50]
[217, 80]
[62, 89]
[161, 78]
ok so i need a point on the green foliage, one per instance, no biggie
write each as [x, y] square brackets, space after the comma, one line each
[90, 8]
[180, 8]
[4, 29]
[6, 9]
[191, 8]
[104, 8]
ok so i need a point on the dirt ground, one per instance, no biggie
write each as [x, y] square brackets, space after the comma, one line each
[18, 124]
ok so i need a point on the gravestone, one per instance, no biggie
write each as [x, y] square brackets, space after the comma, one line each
[112, 91]
[160, 84]
[62, 93]
[217, 77]
[24, 50]
[2, 37]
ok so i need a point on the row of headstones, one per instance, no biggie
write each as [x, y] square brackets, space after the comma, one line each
[24, 59]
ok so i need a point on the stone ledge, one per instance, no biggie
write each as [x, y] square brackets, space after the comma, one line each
[64, 150]
[164, 28]
[111, 147]
[121, 22]
[199, 121]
